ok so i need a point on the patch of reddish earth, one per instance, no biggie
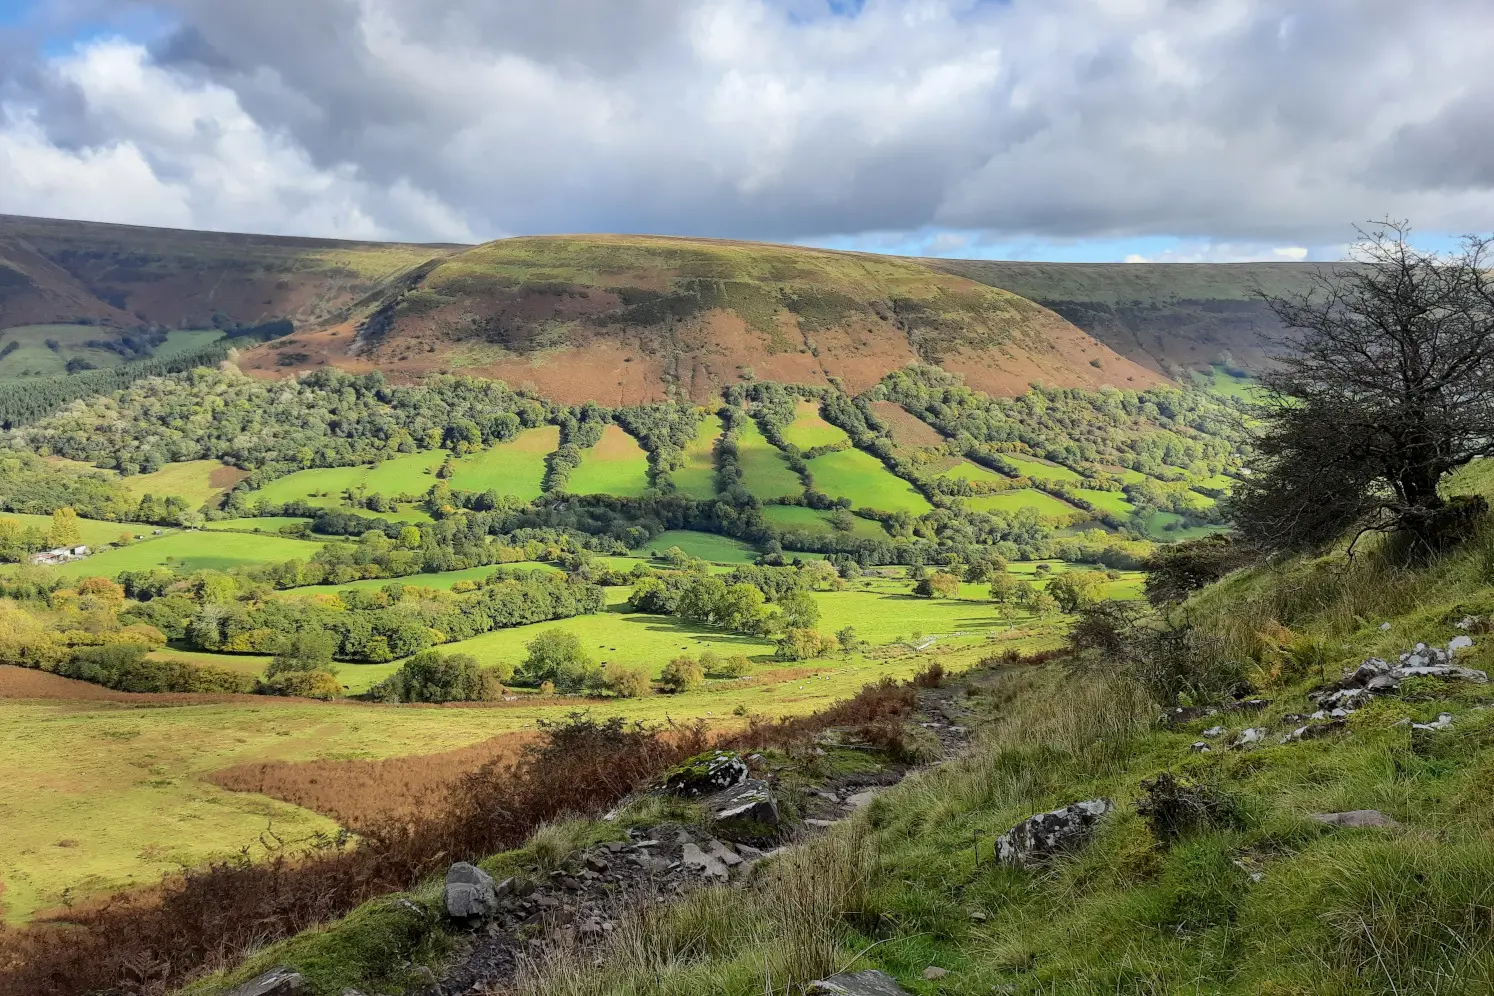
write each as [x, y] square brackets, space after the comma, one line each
[908, 430]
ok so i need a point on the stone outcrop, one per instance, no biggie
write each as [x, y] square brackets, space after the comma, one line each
[275, 982]
[1046, 835]
[470, 892]
[706, 774]
[857, 984]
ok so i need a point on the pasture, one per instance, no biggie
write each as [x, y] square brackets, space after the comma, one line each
[263, 524]
[95, 533]
[809, 429]
[1014, 501]
[514, 468]
[765, 469]
[191, 551]
[1041, 470]
[323, 487]
[198, 481]
[1107, 501]
[615, 466]
[864, 479]
[706, 546]
[974, 473]
[697, 478]
[797, 518]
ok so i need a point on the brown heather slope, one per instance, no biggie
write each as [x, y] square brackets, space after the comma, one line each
[121, 275]
[625, 319]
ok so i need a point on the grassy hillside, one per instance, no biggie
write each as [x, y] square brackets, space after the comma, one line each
[622, 319]
[34, 355]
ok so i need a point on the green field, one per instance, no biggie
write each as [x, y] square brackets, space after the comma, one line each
[972, 472]
[35, 359]
[1218, 381]
[514, 468]
[615, 466]
[809, 429]
[1168, 527]
[861, 477]
[1013, 501]
[191, 480]
[1039, 470]
[191, 551]
[408, 473]
[706, 546]
[697, 478]
[765, 469]
[443, 580]
[263, 524]
[250, 664]
[95, 533]
[801, 519]
[1107, 501]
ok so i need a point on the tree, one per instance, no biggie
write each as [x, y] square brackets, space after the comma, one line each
[802, 644]
[683, 674]
[939, 584]
[431, 676]
[627, 682]
[64, 531]
[1387, 387]
[306, 651]
[1073, 590]
[556, 656]
[798, 609]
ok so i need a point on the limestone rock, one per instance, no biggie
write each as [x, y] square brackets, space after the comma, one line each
[470, 892]
[751, 800]
[1249, 737]
[706, 774]
[708, 865]
[276, 982]
[1356, 818]
[857, 984]
[1040, 837]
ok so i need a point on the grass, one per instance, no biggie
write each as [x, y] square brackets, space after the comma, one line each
[1014, 501]
[408, 473]
[514, 468]
[615, 466]
[35, 359]
[1220, 381]
[707, 546]
[809, 430]
[1041, 470]
[1169, 526]
[801, 519]
[263, 524]
[1107, 501]
[95, 533]
[251, 664]
[191, 552]
[765, 469]
[863, 478]
[193, 481]
[697, 478]
[972, 472]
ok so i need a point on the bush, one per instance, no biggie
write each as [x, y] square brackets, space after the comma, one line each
[734, 666]
[627, 682]
[683, 674]
[302, 685]
[1175, 808]
[431, 676]
[802, 644]
[938, 585]
[124, 667]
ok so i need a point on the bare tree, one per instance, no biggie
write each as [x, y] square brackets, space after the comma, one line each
[1387, 385]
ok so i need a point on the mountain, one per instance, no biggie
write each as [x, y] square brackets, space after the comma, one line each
[1161, 315]
[623, 319]
[71, 272]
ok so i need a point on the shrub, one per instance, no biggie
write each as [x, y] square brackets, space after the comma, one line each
[802, 644]
[556, 656]
[939, 584]
[627, 682]
[1175, 808]
[734, 666]
[683, 674]
[431, 676]
[301, 684]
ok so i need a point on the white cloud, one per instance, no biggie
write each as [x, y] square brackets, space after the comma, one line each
[1227, 124]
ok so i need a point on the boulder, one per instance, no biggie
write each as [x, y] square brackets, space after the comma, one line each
[1442, 722]
[706, 774]
[857, 984]
[1040, 837]
[934, 972]
[1356, 818]
[470, 892]
[750, 801]
[1249, 737]
[276, 982]
[699, 862]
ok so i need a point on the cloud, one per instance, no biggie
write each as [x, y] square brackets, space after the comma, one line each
[1260, 127]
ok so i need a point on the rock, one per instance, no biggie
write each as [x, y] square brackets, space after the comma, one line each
[861, 798]
[470, 892]
[934, 972]
[1444, 671]
[723, 854]
[857, 984]
[1045, 835]
[1356, 818]
[1200, 747]
[752, 801]
[1459, 643]
[820, 824]
[1314, 730]
[697, 861]
[597, 863]
[1249, 737]
[1213, 732]
[276, 982]
[1385, 627]
[706, 774]
[1469, 622]
[1442, 722]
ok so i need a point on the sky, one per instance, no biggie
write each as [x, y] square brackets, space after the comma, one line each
[1076, 130]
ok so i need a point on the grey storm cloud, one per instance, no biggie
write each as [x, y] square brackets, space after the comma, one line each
[1244, 120]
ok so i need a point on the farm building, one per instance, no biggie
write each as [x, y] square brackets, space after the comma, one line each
[61, 555]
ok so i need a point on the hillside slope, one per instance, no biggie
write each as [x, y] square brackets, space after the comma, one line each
[623, 319]
[1157, 314]
[122, 275]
